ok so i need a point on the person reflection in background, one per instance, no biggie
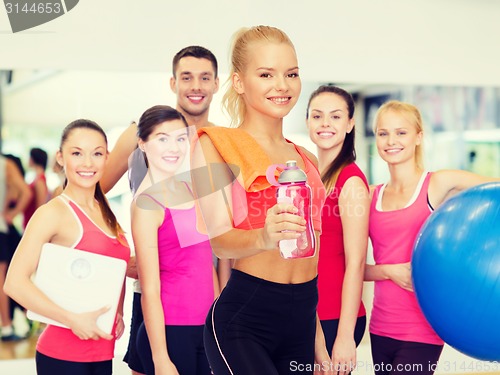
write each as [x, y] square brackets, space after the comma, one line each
[15, 195]
[37, 162]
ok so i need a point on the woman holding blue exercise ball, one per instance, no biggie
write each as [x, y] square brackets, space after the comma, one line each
[455, 265]
[401, 337]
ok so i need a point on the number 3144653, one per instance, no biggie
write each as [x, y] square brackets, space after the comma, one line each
[26, 8]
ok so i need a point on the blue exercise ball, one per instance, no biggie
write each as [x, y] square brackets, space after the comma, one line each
[456, 271]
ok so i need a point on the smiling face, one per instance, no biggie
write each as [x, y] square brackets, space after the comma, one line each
[166, 147]
[328, 121]
[83, 156]
[397, 138]
[270, 84]
[195, 85]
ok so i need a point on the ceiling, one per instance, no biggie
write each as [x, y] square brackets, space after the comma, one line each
[383, 41]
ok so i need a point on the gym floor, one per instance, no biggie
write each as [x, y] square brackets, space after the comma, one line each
[16, 358]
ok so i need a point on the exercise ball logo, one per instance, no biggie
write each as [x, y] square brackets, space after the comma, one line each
[25, 14]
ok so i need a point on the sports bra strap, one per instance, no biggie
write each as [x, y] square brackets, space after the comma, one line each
[161, 204]
[189, 188]
[154, 200]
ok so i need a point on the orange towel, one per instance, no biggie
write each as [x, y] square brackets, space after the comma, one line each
[238, 147]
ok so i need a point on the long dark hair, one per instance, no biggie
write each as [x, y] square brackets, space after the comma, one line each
[109, 216]
[347, 154]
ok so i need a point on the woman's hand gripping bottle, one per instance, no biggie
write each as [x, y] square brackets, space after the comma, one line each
[292, 188]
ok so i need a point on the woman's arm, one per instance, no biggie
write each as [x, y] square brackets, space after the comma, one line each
[145, 224]
[120, 325]
[443, 185]
[132, 268]
[224, 267]
[43, 226]
[399, 273]
[446, 183]
[209, 174]
[322, 363]
[215, 281]
[117, 163]
[354, 208]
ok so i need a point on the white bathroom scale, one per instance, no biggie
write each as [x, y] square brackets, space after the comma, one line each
[79, 281]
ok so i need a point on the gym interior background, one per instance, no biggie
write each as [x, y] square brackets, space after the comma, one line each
[109, 61]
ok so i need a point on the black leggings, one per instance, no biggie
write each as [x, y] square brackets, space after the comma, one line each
[330, 328]
[49, 366]
[392, 357]
[261, 327]
[185, 349]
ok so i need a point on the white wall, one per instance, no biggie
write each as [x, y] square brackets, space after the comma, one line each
[383, 41]
[110, 60]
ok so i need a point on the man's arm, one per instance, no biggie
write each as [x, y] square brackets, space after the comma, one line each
[117, 163]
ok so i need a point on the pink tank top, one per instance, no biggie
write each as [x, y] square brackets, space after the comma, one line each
[396, 313]
[186, 268]
[61, 343]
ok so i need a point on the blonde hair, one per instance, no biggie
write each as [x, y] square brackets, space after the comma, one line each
[240, 49]
[410, 113]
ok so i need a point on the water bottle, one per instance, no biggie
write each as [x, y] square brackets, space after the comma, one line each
[292, 188]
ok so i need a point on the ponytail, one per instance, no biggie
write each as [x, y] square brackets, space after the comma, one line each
[109, 216]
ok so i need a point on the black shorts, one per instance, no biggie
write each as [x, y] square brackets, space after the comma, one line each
[396, 356]
[8, 243]
[261, 327]
[330, 329]
[3, 248]
[50, 366]
[185, 349]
